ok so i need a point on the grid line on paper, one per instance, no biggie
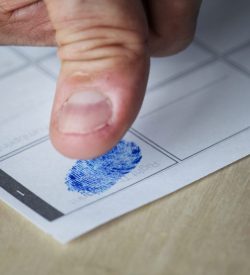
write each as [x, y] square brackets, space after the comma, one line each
[188, 71]
[29, 59]
[36, 62]
[161, 149]
[154, 145]
[182, 74]
[43, 70]
[238, 67]
[13, 71]
[216, 143]
[225, 56]
[193, 92]
[24, 148]
[217, 54]
[198, 152]
[237, 48]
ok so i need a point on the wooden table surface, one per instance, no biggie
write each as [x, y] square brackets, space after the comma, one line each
[201, 229]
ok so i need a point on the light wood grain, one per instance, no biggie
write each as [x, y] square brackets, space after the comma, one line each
[201, 229]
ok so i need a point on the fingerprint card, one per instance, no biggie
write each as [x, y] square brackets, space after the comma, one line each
[195, 119]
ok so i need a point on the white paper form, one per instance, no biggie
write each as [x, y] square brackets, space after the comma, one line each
[195, 120]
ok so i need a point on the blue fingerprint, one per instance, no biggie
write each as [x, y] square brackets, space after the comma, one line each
[90, 177]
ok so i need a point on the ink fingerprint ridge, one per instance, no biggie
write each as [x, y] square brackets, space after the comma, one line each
[95, 176]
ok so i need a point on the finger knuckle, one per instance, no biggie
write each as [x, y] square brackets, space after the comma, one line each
[100, 42]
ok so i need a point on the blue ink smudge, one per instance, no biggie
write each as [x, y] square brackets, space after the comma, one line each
[90, 177]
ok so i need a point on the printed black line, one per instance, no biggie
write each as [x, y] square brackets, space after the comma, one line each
[28, 198]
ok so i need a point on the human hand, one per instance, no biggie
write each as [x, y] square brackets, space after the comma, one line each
[104, 47]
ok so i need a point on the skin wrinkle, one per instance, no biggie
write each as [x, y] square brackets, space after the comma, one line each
[78, 42]
[93, 32]
[174, 41]
[101, 49]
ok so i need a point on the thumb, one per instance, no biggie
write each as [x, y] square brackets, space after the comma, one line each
[103, 51]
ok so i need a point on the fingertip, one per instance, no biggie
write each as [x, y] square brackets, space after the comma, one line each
[85, 146]
[89, 117]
